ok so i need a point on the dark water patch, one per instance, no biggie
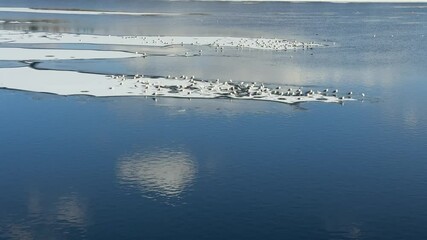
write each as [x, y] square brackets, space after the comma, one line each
[11, 64]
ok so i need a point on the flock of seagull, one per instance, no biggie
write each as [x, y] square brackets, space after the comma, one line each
[192, 87]
[220, 43]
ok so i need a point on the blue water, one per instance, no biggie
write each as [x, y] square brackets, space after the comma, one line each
[132, 168]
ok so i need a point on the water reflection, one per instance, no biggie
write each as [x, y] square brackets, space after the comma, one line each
[158, 173]
[355, 232]
[57, 218]
[71, 211]
[19, 232]
[34, 203]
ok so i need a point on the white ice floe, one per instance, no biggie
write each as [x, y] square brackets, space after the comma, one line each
[218, 42]
[83, 12]
[76, 83]
[21, 54]
[14, 22]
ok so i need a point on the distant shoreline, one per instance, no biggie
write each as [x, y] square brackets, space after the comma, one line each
[326, 1]
[311, 1]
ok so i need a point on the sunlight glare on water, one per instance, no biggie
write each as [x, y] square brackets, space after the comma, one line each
[160, 172]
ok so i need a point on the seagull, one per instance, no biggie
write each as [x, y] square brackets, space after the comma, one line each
[310, 92]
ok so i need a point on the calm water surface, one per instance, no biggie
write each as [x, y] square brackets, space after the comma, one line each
[132, 168]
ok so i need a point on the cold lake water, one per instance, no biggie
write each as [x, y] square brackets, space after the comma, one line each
[82, 167]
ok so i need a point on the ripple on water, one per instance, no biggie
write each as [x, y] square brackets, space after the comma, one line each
[160, 173]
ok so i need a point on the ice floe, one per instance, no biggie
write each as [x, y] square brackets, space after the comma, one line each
[217, 42]
[14, 22]
[85, 12]
[77, 83]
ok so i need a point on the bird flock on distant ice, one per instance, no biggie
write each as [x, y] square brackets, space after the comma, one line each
[190, 87]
